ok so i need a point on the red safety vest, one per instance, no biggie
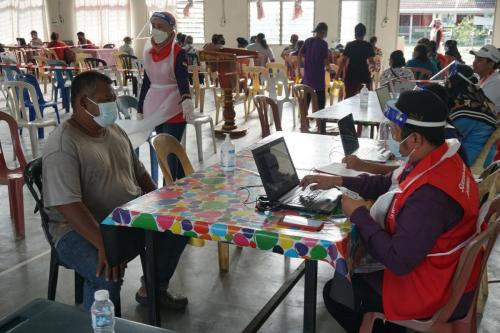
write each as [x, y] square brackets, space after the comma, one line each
[420, 293]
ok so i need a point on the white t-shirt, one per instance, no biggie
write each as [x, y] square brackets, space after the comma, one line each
[491, 88]
[265, 55]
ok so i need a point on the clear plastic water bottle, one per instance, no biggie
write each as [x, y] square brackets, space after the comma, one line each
[227, 155]
[103, 313]
[363, 97]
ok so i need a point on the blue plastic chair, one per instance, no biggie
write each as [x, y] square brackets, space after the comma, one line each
[61, 76]
[11, 72]
[41, 100]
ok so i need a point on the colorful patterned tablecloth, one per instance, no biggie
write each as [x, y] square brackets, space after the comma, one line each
[219, 206]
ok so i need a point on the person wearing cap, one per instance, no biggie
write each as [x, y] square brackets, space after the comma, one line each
[486, 64]
[424, 212]
[471, 112]
[265, 53]
[127, 46]
[314, 54]
[165, 99]
[354, 62]
[292, 47]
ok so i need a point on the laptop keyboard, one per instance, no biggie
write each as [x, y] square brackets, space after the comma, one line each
[306, 197]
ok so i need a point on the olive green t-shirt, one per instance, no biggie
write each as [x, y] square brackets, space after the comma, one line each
[100, 172]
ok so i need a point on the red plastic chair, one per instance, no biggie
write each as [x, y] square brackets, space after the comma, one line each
[13, 178]
[439, 322]
[263, 103]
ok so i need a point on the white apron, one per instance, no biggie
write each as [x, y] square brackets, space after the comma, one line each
[163, 99]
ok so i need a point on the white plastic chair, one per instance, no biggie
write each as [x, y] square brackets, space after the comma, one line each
[197, 122]
[20, 112]
[272, 83]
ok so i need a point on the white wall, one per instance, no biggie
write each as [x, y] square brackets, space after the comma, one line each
[387, 30]
[496, 29]
[66, 28]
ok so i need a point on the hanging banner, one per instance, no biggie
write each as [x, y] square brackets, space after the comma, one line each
[260, 10]
[189, 5]
[297, 11]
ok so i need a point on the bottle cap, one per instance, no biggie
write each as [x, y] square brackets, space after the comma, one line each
[101, 295]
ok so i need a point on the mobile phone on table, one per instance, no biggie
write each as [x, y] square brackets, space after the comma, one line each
[301, 222]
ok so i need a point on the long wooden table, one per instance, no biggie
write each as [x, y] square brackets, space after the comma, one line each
[212, 205]
[371, 115]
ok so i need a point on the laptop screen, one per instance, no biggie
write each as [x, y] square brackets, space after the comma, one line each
[276, 168]
[21, 41]
[383, 95]
[348, 134]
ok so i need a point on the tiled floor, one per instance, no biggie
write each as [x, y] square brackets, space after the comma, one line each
[217, 301]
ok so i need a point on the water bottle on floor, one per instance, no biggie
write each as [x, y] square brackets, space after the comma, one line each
[227, 155]
[103, 313]
[363, 97]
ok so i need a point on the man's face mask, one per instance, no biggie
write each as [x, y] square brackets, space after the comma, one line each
[108, 112]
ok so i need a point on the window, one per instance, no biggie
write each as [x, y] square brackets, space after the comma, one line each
[354, 12]
[278, 23]
[103, 21]
[193, 25]
[13, 24]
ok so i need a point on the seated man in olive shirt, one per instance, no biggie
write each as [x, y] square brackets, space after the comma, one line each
[89, 168]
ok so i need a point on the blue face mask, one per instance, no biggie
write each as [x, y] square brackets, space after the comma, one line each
[108, 112]
[394, 148]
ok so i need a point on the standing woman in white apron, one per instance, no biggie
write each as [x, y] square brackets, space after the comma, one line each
[165, 93]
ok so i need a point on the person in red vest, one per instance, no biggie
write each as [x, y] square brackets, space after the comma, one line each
[423, 214]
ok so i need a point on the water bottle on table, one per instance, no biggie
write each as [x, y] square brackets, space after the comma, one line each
[227, 155]
[363, 97]
[103, 313]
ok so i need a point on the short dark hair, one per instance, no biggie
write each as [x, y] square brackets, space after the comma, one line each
[439, 90]
[54, 36]
[215, 38]
[242, 41]
[373, 40]
[360, 30]
[398, 59]
[86, 82]
[80, 33]
[33, 32]
[423, 106]
[421, 51]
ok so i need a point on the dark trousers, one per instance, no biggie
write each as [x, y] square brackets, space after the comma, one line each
[321, 99]
[352, 88]
[176, 130]
[365, 300]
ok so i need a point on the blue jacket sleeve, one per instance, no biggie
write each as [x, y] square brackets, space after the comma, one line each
[144, 90]
[181, 73]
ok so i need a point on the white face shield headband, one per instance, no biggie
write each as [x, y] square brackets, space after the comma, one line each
[395, 115]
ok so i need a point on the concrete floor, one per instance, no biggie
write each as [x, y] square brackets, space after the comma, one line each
[217, 301]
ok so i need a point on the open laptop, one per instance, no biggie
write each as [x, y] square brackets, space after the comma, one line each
[350, 143]
[383, 95]
[282, 184]
[21, 41]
